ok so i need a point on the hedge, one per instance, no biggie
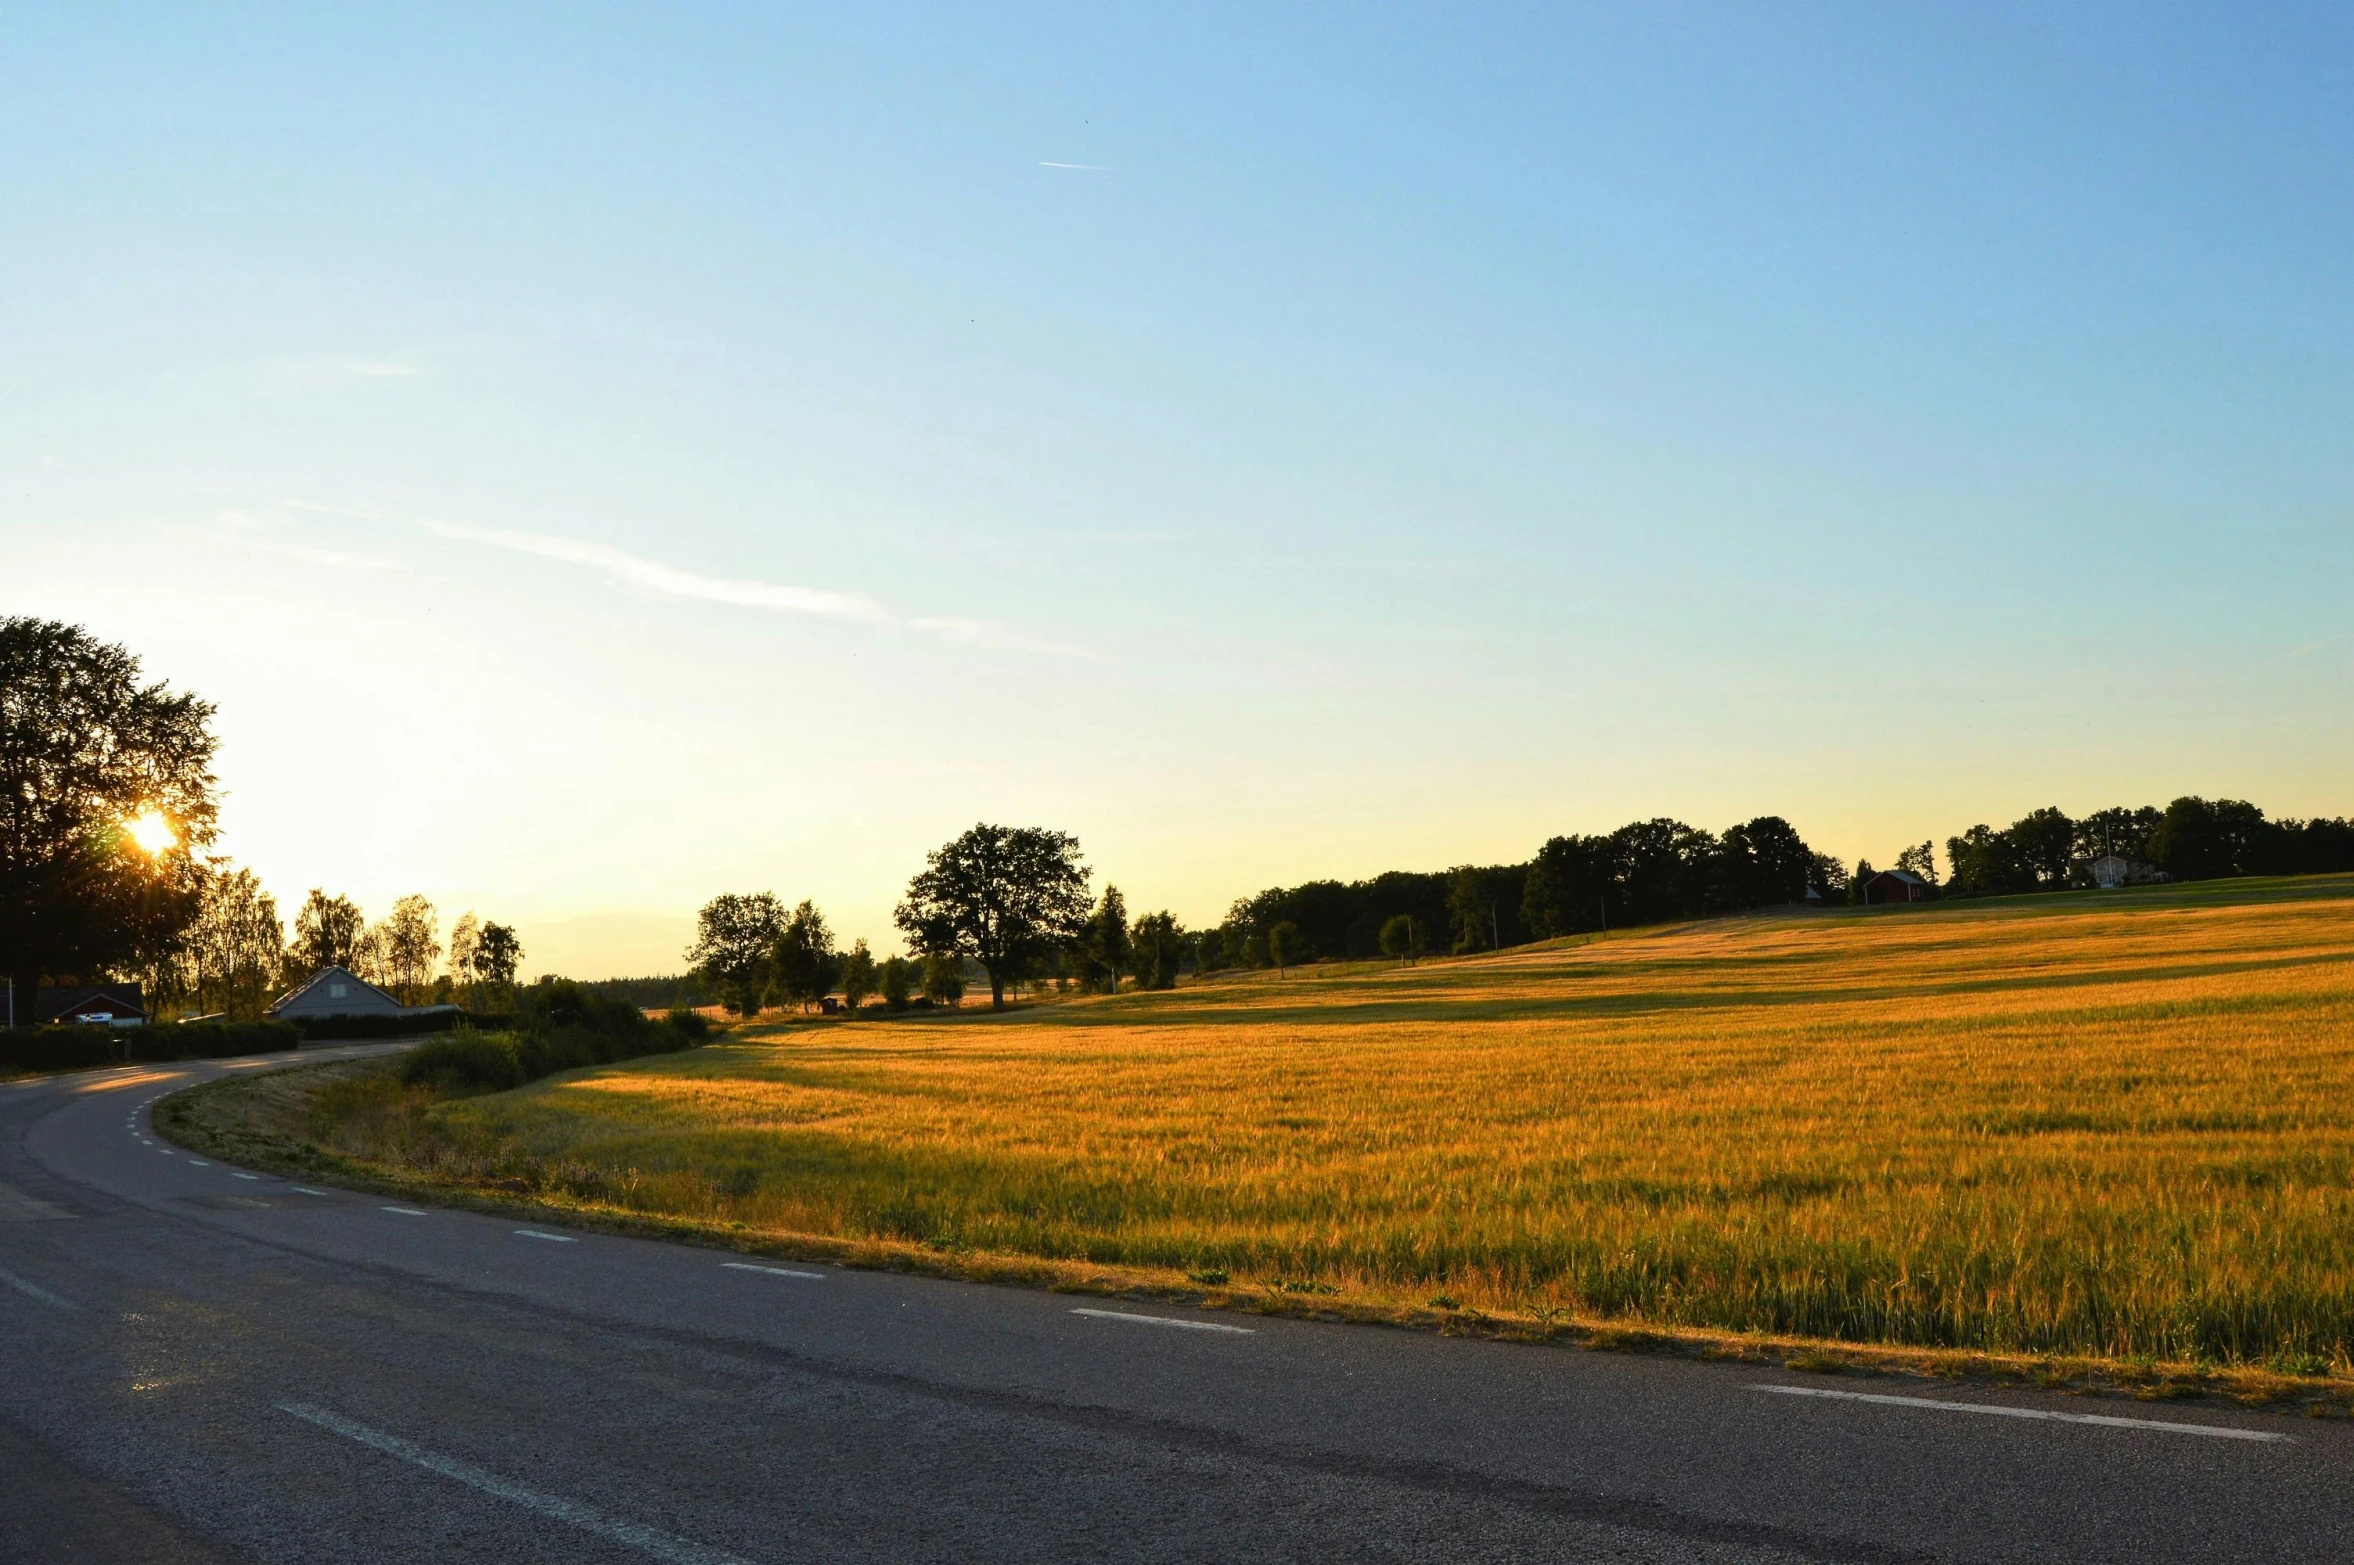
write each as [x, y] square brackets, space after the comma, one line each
[208, 1040]
[354, 1029]
[59, 1048]
[563, 1026]
[84, 1047]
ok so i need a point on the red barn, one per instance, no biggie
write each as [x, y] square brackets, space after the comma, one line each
[1897, 885]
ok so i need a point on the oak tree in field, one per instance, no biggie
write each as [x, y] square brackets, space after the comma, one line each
[803, 962]
[898, 980]
[106, 788]
[1285, 945]
[858, 975]
[734, 937]
[327, 933]
[1159, 947]
[1005, 896]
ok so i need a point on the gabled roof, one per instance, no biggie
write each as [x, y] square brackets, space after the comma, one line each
[78, 999]
[341, 975]
[1905, 875]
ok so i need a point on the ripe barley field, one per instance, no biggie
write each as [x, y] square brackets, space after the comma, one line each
[2117, 1126]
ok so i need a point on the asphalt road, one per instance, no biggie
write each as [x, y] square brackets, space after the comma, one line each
[199, 1364]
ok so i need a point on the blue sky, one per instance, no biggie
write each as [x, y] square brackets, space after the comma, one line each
[599, 458]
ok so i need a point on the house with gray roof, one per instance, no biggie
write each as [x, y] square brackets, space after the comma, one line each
[337, 991]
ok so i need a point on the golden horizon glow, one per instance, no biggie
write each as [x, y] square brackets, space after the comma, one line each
[152, 832]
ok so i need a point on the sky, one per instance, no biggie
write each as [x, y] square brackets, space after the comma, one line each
[597, 458]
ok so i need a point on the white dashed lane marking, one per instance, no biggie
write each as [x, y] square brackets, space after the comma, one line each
[773, 1271]
[37, 1293]
[2043, 1415]
[1163, 1320]
[533, 1233]
[405, 1211]
[234, 1174]
[660, 1545]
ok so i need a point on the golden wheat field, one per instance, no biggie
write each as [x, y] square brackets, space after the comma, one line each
[2062, 1125]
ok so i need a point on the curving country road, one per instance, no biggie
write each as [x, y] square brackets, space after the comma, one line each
[201, 1364]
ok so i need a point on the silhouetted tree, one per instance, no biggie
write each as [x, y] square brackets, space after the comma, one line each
[86, 748]
[1104, 948]
[497, 956]
[802, 964]
[735, 935]
[327, 933]
[235, 952]
[411, 944]
[944, 977]
[1401, 938]
[1283, 945]
[899, 975]
[1005, 896]
[858, 975]
[1159, 947]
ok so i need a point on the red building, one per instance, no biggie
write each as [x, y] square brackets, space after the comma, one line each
[1898, 885]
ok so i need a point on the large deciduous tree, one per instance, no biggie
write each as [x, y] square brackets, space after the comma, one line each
[412, 943]
[497, 953]
[327, 933]
[1006, 896]
[1104, 949]
[1159, 946]
[235, 952]
[803, 960]
[87, 747]
[735, 935]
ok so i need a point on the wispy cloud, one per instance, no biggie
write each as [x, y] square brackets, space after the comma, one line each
[672, 581]
[1082, 168]
[655, 576]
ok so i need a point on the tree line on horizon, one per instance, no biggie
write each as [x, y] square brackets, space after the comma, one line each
[87, 746]
[753, 950]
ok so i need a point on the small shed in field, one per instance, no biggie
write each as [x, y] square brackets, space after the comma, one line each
[1896, 885]
[335, 991]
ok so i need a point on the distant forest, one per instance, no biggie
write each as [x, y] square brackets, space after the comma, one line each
[685, 991]
[1654, 871]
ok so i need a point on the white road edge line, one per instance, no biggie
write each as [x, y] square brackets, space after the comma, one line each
[1163, 1320]
[533, 1233]
[773, 1271]
[1993, 1410]
[405, 1211]
[661, 1545]
[34, 1291]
